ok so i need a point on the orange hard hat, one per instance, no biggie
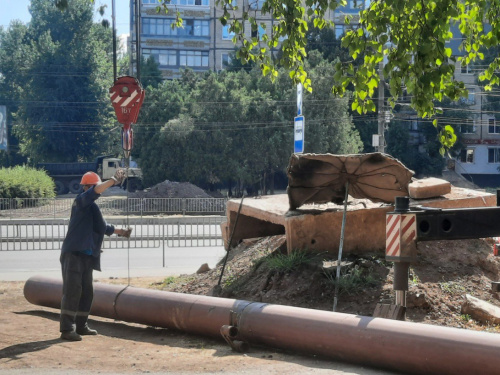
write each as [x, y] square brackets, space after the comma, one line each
[90, 178]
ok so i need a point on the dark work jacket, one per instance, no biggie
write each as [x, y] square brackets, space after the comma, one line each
[87, 227]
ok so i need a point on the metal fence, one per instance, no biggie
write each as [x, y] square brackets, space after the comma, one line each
[61, 207]
[48, 234]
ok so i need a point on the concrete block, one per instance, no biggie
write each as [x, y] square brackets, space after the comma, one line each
[225, 234]
[429, 188]
[318, 227]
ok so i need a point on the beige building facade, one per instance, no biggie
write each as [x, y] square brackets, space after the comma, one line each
[203, 43]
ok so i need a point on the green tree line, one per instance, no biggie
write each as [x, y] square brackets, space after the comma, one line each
[235, 128]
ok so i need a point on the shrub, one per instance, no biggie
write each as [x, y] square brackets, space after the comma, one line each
[25, 182]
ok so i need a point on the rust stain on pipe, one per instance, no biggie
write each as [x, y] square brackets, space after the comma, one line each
[401, 346]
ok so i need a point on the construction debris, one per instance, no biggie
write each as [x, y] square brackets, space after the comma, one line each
[480, 310]
[429, 188]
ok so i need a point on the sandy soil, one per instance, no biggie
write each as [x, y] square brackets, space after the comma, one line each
[30, 344]
[445, 272]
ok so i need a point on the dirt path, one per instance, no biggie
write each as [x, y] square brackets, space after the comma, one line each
[30, 344]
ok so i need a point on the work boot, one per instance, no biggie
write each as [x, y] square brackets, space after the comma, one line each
[86, 331]
[71, 336]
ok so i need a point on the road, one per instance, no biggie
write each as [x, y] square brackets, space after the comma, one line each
[21, 265]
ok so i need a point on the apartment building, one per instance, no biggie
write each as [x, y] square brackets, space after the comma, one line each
[203, 43]
[479, 160]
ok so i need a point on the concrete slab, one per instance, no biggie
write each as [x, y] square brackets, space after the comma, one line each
[317, 227]
[429, 188]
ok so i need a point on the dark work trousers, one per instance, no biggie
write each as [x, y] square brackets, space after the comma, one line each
[78, 291]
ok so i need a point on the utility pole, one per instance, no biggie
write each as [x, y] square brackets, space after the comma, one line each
[381, 109]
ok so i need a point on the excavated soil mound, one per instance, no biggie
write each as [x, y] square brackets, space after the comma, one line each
[171, 189]
[444, 273]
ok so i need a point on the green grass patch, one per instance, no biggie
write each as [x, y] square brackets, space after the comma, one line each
[452, 287]
[287, 262]
[171, 280]
[465, 317]
[352, 281]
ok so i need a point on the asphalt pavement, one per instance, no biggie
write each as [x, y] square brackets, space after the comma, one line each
[146, 262]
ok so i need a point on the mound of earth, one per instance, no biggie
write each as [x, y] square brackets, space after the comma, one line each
[444, 273]
[171, 189]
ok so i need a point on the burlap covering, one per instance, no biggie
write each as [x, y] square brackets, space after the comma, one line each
[321, 178]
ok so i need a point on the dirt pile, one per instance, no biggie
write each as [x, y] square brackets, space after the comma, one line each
[171, 189]
[444, 273]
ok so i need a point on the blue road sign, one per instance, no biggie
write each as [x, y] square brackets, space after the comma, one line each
[298, 135]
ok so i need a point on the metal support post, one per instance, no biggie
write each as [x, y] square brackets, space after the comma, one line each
[381, 111]
[401, 275]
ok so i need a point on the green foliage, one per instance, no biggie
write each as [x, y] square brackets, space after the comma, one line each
[235, 128]
[411, 36]
[352, 280]
[465, 317]
[150, 73]
[287, 262]
[59, 72]
[25, 182]
[427, 162]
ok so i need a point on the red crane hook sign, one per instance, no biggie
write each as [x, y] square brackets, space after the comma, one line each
[127, 96]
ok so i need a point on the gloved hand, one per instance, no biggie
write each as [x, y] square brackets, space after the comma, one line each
[119, 176]
[124, 232]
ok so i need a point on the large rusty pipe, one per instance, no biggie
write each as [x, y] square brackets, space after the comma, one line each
[391, 344]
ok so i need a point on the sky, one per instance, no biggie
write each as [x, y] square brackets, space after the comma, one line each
[18, 9]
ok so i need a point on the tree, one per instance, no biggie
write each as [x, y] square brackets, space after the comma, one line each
[150, 73]
[236, 128]
[162, 105]
[63, 112]
[13, 81]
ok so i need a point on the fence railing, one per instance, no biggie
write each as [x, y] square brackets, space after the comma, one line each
[61, 207]
[48, 234]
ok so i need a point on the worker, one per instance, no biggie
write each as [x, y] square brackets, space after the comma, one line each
[81, 253]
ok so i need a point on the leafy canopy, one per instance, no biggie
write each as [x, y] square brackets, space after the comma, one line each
[411, 37]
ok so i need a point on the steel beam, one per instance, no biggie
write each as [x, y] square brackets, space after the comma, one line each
[457, 224]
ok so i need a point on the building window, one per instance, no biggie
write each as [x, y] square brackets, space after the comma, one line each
[465, 69]
[356, 4]
[158, 26]
[261, 31]
[187, 28]
[413, 125]
[226, 34]
[467, 155]
[195, 59]
[255, 4]
[163, 27]
[471, 99]
[225, 60]
[180, 2]
[494, 155]
[493, 128]
[164, 57]
[468, 127]
[201, 28]
[339, 31]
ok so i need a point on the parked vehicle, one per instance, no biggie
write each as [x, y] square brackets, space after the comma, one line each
[67, 176]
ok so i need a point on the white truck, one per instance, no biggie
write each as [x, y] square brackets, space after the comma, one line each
[67, 176]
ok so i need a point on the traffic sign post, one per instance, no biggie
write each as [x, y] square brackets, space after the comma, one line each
[298, 147]
[298, 133]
